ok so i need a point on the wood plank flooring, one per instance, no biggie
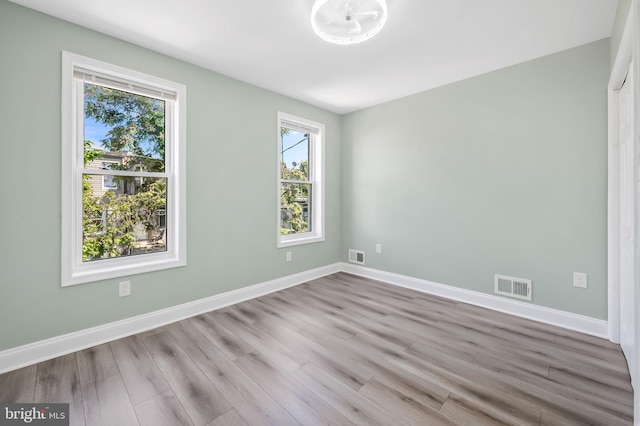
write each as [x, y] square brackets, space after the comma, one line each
[340, 350]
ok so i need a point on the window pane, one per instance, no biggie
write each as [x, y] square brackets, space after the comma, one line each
[294, 157]
[118, 123]
[124, 221]
[108, 182]
[295, 208]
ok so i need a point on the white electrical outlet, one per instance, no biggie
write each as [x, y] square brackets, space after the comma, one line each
[289, 257]
[379, 248]
[124, 288]
[580, 279]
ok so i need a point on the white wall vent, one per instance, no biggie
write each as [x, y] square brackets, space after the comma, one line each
[512, 287]
[356, 256]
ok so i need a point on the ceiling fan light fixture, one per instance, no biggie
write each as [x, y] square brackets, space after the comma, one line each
[348, 21]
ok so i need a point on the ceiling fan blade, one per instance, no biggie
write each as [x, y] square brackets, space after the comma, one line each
[357, 28]
[336, 16]
[342, 11]
[375, 14]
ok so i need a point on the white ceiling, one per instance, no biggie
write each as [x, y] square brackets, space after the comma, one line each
[269, 43]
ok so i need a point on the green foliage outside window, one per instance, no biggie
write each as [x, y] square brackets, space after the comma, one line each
[136, 123]
[294, 199]
[126, 222]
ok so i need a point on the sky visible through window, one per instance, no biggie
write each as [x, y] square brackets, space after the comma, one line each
[295, 148]
[94, 131]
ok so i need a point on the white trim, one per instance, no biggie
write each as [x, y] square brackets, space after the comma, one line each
[627, 60]
[621, 65]
[316, 179]
[43, 350]
[613, 222]
[73, 269]
[581, 323]
[124, 83]
[633, 27]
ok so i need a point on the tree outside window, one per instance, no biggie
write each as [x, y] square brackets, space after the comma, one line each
[300, 181]
[123, 171]
[123, 218]
[295, 185]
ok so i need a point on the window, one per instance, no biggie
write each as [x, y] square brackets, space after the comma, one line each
[300, 181]
[123, 171]
[108, 181]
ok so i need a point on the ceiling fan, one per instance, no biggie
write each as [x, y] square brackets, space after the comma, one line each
[348, 21]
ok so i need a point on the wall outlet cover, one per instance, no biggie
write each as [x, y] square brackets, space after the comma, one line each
[580, 279]
[124, 288]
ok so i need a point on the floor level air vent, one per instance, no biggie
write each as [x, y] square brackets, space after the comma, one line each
[512, 287]
[356, 256]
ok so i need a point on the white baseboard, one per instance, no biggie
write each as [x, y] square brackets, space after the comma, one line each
[581, 323]
[43, 350]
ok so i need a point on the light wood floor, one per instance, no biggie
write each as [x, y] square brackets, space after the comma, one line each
[339, 350]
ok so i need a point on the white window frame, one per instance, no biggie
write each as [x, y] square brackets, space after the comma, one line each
[115, 184]
[74, 270]
[316, 178]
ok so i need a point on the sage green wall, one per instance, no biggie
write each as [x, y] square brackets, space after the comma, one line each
[502, 173]
[231, 194]
[622, 13]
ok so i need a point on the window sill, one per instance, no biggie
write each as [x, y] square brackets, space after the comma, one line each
[295, 240]
[120, 267]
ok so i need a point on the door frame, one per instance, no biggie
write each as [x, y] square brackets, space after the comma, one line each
[627, 60]
[619, 71]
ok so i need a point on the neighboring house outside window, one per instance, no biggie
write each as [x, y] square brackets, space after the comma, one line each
[123, 193]
[300, 181]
